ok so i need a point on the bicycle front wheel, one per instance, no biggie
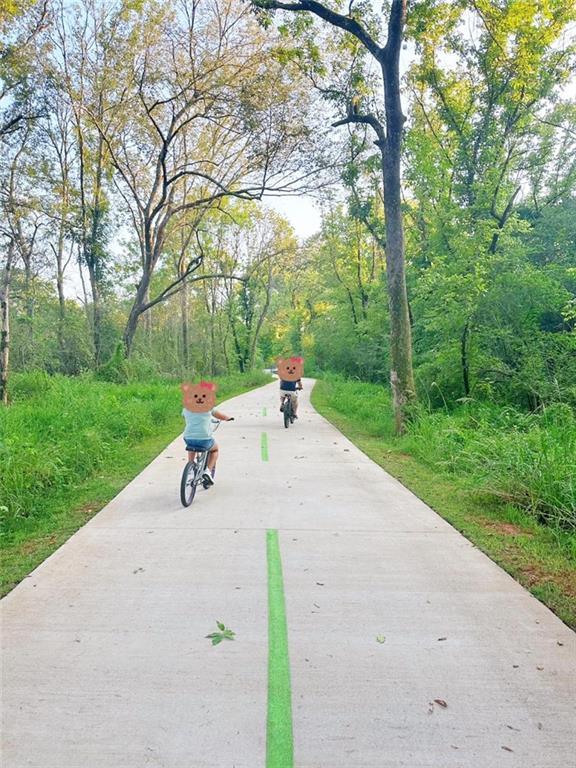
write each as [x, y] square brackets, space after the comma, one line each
[287, 412]
[188, 484]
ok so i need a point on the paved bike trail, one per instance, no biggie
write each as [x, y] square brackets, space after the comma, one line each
[391, 615]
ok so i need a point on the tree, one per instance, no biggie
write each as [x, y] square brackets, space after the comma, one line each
[57, 131]
[488, 131]
[22, 222]
[389, 142]
[257, 251]
[190, 124]
[81, 72]
[20, 26]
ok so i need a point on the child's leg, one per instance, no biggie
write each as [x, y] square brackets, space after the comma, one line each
[212, 456]
[191, 455]
[295, 404]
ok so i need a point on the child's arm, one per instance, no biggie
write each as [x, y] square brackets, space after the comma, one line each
[299, 384]
[222, 416]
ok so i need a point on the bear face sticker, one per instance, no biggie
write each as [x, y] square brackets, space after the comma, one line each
[199, 398]
[290, 369]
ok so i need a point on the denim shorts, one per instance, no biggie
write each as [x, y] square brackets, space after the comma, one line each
[198, 445]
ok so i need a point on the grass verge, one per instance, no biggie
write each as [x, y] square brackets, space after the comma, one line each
[40, 518]
[542, 558]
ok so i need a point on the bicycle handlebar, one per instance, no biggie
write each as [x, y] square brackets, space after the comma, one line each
[219, 421]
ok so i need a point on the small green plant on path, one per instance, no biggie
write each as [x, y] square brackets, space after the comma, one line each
[224, 633]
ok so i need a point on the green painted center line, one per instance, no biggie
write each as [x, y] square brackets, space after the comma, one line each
[279, 739]
[264, 412]
[264, 446]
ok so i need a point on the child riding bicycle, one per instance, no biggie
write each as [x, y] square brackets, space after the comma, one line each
[199, 401]
[290, 374]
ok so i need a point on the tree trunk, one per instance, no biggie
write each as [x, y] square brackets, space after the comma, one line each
[5, 325]
[29, 303]
[184, 327]
[401, 373]
[96, 314]
[237, 347]
[91, 246]
[212, 314]
[141, 298]
[89, 328]
[59, 252]
[132, 323]
[261, 319]
[150, 252]
[465, 360]
[148, 325]
[361, 290]
[225, 349]
[348, 294]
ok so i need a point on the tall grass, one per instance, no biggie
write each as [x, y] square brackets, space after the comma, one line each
[528, 459]
[59, 431]
[369, 403]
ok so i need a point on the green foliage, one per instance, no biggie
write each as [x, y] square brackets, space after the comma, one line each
[523, 458]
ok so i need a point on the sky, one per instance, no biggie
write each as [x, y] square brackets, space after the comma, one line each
[302, 212]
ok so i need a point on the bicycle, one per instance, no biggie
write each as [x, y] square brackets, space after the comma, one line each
[192, 473]
[287, 409]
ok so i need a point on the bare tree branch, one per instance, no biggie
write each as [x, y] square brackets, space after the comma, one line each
[347, 23]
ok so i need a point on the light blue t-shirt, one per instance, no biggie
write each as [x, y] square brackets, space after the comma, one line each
[198, 425]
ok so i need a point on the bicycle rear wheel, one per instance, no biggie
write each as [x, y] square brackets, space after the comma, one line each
[188, 484]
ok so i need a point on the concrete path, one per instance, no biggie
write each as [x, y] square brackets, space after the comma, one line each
[106, 664]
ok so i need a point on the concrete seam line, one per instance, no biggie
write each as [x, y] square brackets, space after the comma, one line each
[279, 737]
[264, 446]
